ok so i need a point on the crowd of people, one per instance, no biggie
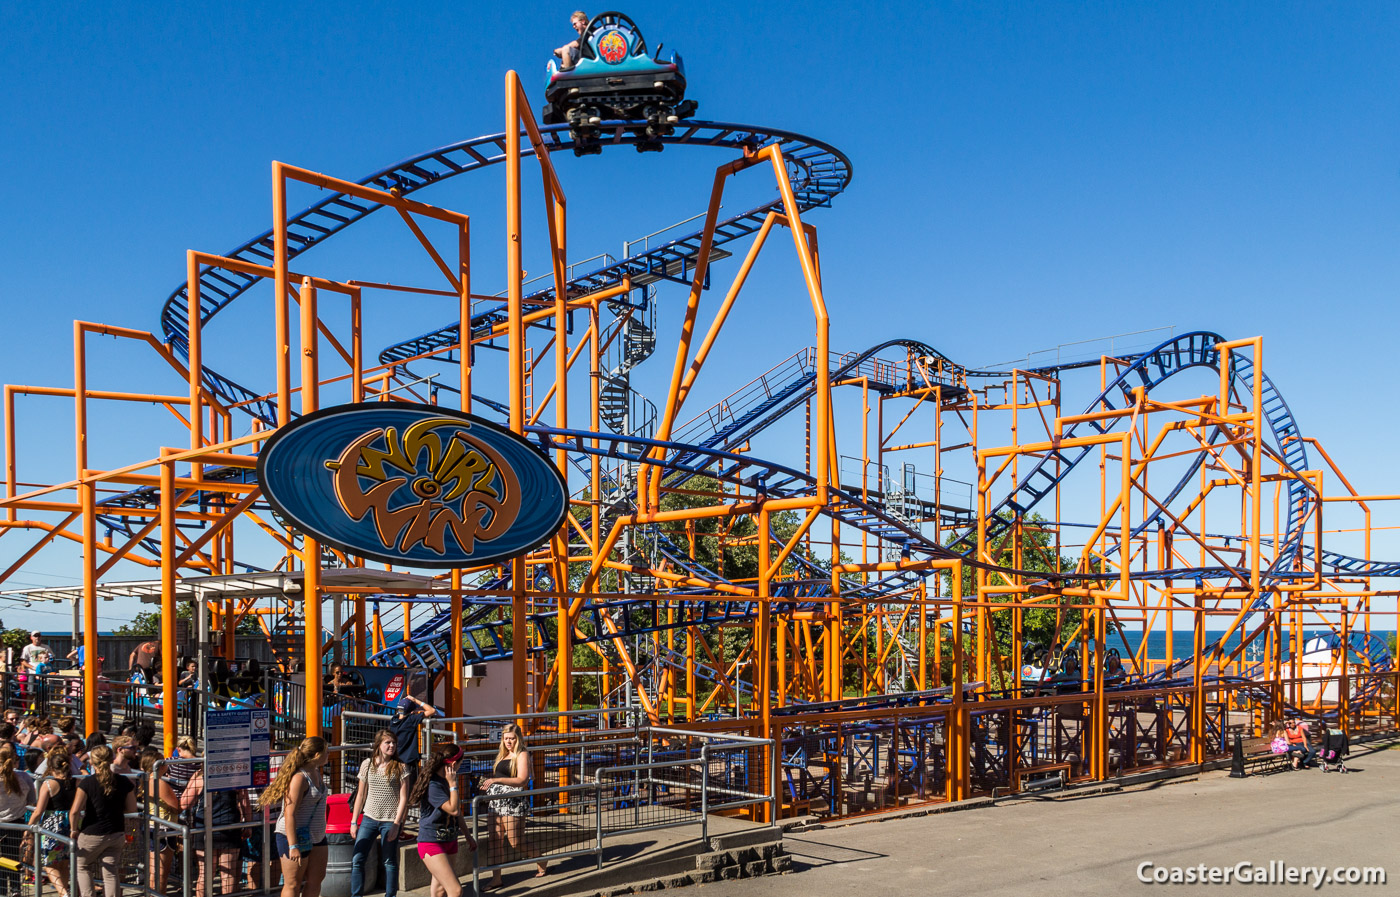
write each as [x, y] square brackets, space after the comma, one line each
[65, 785]
[76, 796]
[393, 779]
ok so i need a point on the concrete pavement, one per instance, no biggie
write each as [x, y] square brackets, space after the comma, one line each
[1094, 844]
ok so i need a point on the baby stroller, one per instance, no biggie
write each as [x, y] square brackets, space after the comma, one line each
[1334, 747]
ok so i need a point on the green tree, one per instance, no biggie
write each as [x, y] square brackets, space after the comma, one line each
[1041, 628]
[726, 545]
[13, 638]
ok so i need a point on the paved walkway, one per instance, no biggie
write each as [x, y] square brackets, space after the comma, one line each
[1093, 844]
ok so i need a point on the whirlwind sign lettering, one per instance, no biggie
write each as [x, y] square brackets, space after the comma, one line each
[412, 484]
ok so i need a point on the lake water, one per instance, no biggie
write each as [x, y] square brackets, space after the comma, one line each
[1181, 641]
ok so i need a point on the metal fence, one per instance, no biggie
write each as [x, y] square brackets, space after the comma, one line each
[287, 701]
[18, 842]
[676, 778]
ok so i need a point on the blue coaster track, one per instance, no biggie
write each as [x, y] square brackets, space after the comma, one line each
[819, 173]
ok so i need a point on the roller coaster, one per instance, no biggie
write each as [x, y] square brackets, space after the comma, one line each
[905, 638]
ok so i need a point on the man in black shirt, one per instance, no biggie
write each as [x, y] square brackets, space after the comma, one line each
[404, 727]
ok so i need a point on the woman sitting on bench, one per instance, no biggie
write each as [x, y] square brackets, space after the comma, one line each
[1298, 746]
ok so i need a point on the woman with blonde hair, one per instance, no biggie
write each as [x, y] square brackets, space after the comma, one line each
[97, 822]
[54, 796]
[300, 832]
[381, 800]
[509, 775]
[178, 772]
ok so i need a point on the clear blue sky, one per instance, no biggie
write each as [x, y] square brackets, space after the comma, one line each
[1027, 174]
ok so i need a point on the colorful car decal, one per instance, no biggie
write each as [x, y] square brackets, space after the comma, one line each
[612, 46]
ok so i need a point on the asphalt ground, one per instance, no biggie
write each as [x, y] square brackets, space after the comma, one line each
[1096, 843]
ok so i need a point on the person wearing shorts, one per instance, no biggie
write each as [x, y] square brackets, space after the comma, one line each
[508, 808]
[300, 833]
[569, 53]
[439, 805]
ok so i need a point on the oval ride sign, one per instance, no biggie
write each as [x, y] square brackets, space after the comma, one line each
[408, 484]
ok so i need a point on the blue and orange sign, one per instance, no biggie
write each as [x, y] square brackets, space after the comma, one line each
[416, 485]
[612, 46]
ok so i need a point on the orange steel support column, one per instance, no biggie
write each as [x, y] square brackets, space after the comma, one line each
[87, 498]
[87, 494]
[763, 632]
[455, 671]
[311, 595]
[11, 468]
[558, 233]
[361, 654]
[194, 343]
[279, 298]
[455, 683]
[811, 273]
[168, 661]
[1198, 707]
[1256, 486]
[311, 549]
[515, 361]
[464, 314]
[957, 720]
[357, 349]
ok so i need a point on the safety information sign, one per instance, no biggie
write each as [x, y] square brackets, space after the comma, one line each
[261, 748]
[228, 749]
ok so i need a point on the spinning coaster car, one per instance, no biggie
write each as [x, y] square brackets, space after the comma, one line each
[616, 79]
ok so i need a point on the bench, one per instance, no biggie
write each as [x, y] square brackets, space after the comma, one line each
[1039, 778]
[1259, 754]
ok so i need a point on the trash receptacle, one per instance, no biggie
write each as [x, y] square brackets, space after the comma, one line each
[340, 847]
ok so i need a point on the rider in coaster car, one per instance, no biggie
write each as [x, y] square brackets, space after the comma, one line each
[569, 53]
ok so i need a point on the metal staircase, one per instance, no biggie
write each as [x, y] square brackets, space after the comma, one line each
[1295, 455]
[622, 408]
[288, 640]
[764, 401]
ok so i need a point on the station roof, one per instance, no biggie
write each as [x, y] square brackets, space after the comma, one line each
[241, 585]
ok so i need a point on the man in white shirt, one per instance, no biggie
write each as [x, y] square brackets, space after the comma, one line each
[36, 646]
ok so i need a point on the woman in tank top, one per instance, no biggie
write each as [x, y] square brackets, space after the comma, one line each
[300, 833]
[97, 822]
[54, 796]
[509, 776]
[381, 800]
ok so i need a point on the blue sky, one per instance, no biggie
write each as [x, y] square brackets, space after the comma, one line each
[1026, 174]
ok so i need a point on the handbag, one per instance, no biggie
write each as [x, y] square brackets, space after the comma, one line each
[252, 846]
[52, 850]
